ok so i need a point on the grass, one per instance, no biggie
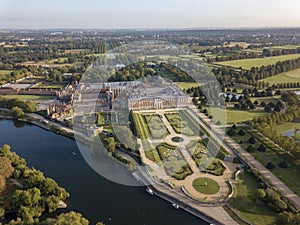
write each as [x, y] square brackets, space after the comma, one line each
[156, 126]
[187, 85]
[173, 161]
[292, 76]
[50, 86]
[141, 128]
[243, 203]
[258, 62]
[28, 97]
[289, 176]
[236, 116]
[206, 186]
[5, 72]
[287, 126]
[179, 125]
[265, 99]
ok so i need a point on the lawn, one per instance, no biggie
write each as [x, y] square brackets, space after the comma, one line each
[206, 186]
[156, 126]
[179, 125]
[237, 116]
[173, 161]
[287, 126]
[183, 123]
[289, 176]
[187, 85]
[243, 203]
[50, 86]
[29, 97]
[265, 99]
[258, 62]
[140, 125]
[5, 72]
[292, 76]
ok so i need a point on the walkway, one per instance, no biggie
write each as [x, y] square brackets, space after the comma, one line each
[231, 146]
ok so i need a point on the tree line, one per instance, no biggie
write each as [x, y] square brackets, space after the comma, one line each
[266, 125]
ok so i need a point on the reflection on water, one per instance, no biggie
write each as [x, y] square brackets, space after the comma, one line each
[92, 195]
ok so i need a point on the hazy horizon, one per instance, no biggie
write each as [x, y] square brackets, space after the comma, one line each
[146, 14]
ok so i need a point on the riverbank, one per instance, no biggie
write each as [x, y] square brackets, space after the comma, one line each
[209, 213]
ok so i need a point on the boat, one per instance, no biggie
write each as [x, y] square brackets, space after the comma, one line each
[149, 190]
[74, 153]
[175, 206]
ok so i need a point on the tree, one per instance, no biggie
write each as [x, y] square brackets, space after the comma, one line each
[251, 140]
[17, 112]
[283, 164]
[124, 135]
[286, 218]
[69, 218]
[250, 148]
[259, 194]
[242, 132]
[6, 169]
[2, 212]
[2, 183]
[231, 132]
[110, 144]
[270, 166]
[261, 148]
[52, 203]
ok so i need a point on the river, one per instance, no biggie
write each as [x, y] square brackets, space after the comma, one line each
[97, 198]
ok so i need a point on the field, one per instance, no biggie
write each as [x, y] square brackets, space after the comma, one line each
[28, 97]
[243, 203]
[186, 85]
[183, 123]
[50, 86]
[289, 175]
[238, 116]
[287, 126]
[156, 126]
[259, 62]
[5, 72]
[287, 77]
[206, 186]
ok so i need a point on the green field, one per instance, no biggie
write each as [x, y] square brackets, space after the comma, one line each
[28, 97]
[244, 204]
[237, 116]
[5, 72]
[187, 85]
[292, 76]
[286, 126]
[289, 175]
[206, 186]
[156, 126]
[259, 62]
[265, 99]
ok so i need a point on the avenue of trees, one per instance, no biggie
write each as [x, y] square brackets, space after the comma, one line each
[252, 76]
[266, 124]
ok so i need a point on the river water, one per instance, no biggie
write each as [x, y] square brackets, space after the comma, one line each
[97, 198]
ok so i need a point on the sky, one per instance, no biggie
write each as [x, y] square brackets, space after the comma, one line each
[123, 14]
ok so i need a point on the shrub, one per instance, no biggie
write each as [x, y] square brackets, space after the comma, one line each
[261, 148]
[270, 166]
[231, 132]
[242, 132]
[251, 140]
[283, 164]
[250, 148]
